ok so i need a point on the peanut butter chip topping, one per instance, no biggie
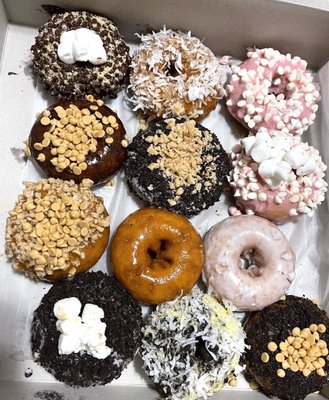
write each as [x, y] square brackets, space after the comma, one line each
[73, 134]
[51, 223]
[180, 156]
[303, 351]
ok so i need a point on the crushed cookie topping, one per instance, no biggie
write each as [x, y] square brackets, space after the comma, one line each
[180, 156]
[51, 224]
[73, 134]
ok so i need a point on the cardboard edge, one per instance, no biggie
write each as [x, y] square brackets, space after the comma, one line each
[3, 29]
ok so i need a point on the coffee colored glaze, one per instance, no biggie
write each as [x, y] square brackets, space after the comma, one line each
[101, 164]
[156, 255]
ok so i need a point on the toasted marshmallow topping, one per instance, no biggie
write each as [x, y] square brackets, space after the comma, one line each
[81, 45]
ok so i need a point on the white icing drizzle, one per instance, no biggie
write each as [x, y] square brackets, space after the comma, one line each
[198, 76]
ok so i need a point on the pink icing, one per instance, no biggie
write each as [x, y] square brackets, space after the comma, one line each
[273, 90]
[272, 262]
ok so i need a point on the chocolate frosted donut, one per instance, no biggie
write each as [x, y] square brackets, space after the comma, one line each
[178, 165]
[123, 320]
[78, 79]
[288, 348]
[74, 140]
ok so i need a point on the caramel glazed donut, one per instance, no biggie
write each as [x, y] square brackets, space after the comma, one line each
[174, 74]
[57, 229]
[103, 63]
[266, 272]
[163, 255]
[274, 91]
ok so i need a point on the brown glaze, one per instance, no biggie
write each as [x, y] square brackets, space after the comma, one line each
[156, 255]
[101, 164]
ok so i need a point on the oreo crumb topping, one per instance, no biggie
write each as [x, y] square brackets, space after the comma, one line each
[123, 331]
[28, 372]
[178, 165]
[49, 395]
[191, 346]
[77, 80]
[275, 323]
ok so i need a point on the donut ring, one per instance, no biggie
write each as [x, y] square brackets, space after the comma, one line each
[174, 74]
[163, 255]
[270, 262]
[274, 91]
[56, 230]
[277, 177]
[101, 136]
[191, 346]
[67, 81]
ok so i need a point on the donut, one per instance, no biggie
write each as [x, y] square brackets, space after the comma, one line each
[288, 347]
[274, 91]
[277, 176]
[191, 346]
[56, 230]
[248, 262]
[156, 255]
[121, 322]
[175, 74]
[78, 53]
[178, 165]
[76, 140]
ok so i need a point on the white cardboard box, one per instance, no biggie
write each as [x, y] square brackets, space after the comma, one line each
[228, 26]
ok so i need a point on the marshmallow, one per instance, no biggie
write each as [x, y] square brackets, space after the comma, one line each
[91, 312]
[308, 168]
[296, 157]
[68, 344]
[67, 308]
[81, 45]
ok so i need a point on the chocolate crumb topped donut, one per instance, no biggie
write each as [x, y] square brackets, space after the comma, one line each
[121, 324]
[191, 346]
[78, 53]
[75, 140]
[57, 229]
[288, 354]
[178, 165]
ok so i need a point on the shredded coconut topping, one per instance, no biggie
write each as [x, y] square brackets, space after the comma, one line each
[191, 345]
[175, 74]
[51, 224]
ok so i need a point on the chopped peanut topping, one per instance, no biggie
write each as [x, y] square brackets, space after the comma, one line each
[52, 220]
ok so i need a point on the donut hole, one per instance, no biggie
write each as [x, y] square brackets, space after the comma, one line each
[157, 252]
[249, 261]
[202, 352]
[279, 86]
[171, 70]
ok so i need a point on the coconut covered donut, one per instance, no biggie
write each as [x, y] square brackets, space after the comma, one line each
[248, 262]
[191, 346]
[174, 74]
[274, 91]
[276, 177]
[57, 229]
[78, 53]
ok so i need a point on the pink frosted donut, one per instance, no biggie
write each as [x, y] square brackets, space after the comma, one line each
[248, 262]
[274, 91]
[277, 177]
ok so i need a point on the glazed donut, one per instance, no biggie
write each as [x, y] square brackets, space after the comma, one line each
[274, 91]
[277, 177]
[122, 320]
[248, 262]
[191, 346]
[178, 165]
[102, 56]
[156, 255]
[294, 326]
[76, 140]
[174, 74]
[57, 229]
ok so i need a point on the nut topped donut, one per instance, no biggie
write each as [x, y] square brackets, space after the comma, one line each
[178, 165]
[248, 262]
[174, 74]
[288, 348]
[274, 91]
[156, 255]
[57, 229]
[76, 140]
[277, 177]
[78, 53]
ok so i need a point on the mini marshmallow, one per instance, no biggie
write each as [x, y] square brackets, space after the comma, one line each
[91, 312]
[296, 157]
[67, 308]
[308, 168]
[68, 344]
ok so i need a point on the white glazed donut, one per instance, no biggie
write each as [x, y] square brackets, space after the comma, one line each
[270, 257]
